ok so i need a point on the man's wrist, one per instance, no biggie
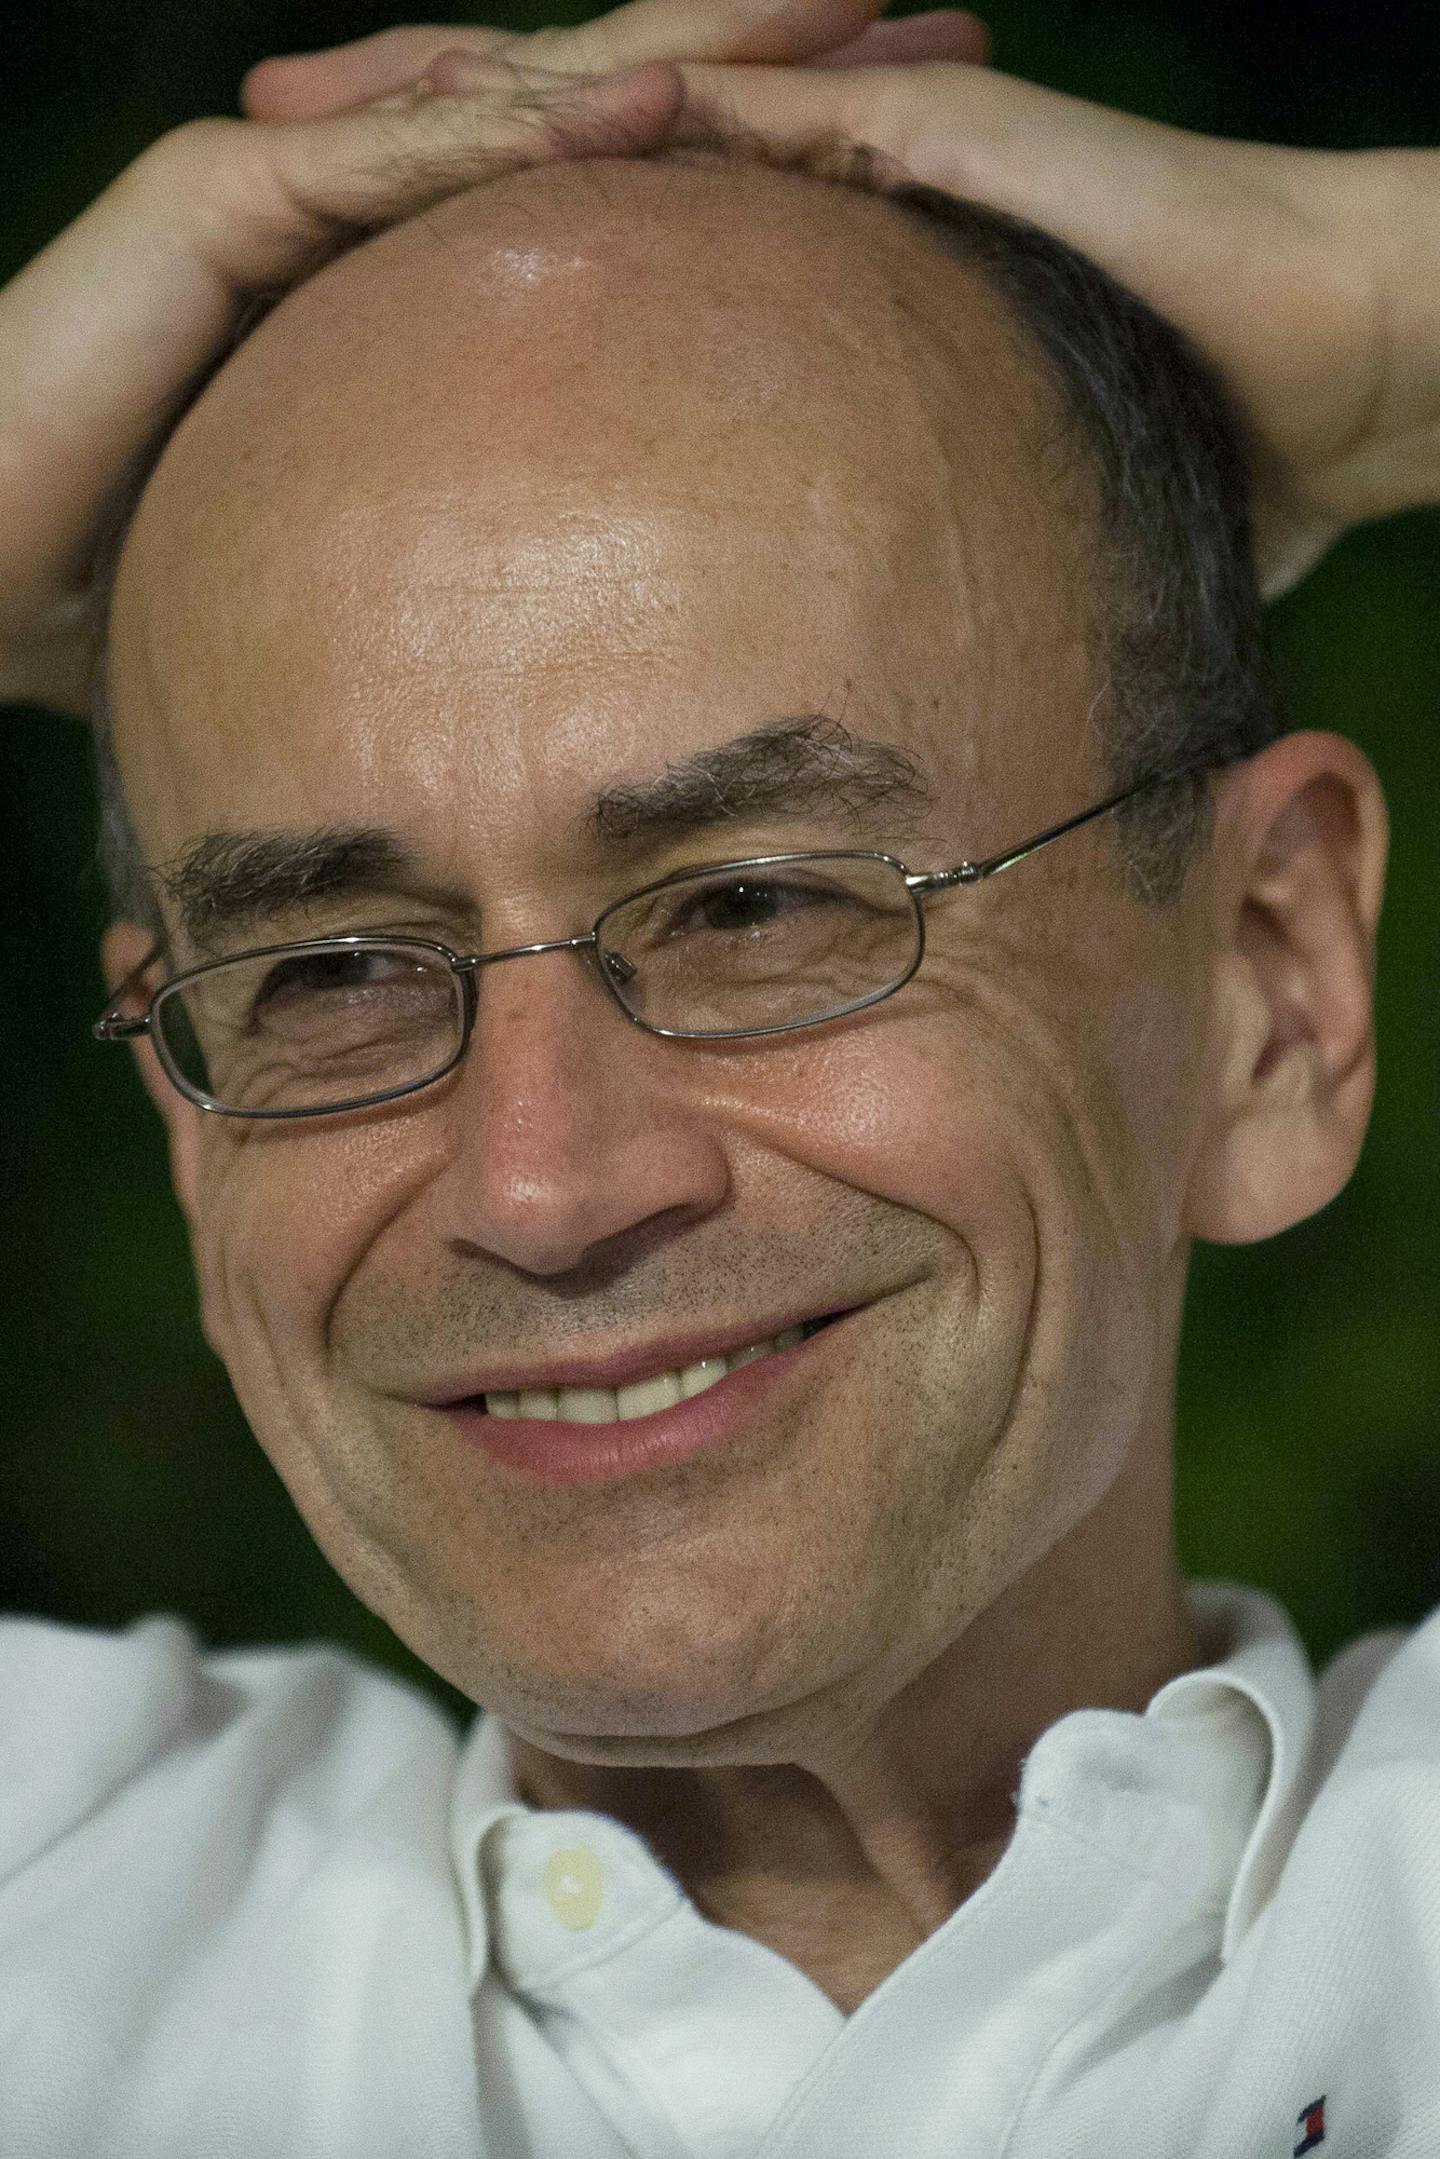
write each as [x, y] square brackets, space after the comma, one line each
[1387, 209]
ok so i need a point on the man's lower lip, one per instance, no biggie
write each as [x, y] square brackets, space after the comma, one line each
[555, 1451]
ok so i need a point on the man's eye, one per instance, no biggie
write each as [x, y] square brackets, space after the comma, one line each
[309, 976]
[752, 903]
[350, 996]
[746, 905]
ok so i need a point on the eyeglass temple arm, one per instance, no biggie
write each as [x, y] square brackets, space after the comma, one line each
[111, 1027]
[970, 873]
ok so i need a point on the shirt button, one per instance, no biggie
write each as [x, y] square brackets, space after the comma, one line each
[575, 1885]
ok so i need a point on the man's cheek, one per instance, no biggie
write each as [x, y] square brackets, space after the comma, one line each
[899, 1111]
[277, 1225]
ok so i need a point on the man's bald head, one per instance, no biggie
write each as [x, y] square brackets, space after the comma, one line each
[651, 316]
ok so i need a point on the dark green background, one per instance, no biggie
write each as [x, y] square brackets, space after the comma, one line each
[1309, 1429]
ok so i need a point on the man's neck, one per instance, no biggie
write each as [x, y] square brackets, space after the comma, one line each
[844, 1863]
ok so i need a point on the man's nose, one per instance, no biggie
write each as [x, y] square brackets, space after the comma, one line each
[569, 1126]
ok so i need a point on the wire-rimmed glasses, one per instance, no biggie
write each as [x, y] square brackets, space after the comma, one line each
[760, 946]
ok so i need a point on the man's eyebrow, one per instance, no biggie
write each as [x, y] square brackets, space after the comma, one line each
[792, 767]
[226, 882]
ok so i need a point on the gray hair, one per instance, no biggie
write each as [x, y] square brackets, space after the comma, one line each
[1176, 611]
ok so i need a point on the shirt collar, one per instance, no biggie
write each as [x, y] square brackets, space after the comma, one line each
[1255, 1786]
[1263, 1663]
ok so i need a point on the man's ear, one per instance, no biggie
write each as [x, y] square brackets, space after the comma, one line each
[122, 949]
[1301, 835]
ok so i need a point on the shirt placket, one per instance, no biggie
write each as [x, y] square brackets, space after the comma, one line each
[688, 2037]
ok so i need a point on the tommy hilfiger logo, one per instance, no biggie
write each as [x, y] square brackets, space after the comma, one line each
[1311, 2125]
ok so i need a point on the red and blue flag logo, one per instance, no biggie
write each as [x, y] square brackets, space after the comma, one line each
[1311, 2125]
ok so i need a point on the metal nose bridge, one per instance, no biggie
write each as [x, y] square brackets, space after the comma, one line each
[612, 968]
[473, 960]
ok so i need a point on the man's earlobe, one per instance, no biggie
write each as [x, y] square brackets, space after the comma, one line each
[122, 949]
[1300, 846]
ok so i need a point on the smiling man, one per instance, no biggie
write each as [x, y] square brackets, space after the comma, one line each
[695, 1204]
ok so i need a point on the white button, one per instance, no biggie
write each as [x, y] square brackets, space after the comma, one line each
[575, 1885]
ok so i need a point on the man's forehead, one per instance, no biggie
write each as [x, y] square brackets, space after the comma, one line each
[549, 451]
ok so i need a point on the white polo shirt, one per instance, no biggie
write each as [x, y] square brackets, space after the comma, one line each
[265, 1903]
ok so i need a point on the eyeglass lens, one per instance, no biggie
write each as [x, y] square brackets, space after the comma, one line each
[313, 1028]
[769, 945]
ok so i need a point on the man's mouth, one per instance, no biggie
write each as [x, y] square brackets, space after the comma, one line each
[641, 1397]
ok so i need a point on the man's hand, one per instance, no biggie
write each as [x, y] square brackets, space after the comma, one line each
[102, 335]
[827, 33]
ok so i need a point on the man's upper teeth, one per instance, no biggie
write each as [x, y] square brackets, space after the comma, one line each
[605, 1405]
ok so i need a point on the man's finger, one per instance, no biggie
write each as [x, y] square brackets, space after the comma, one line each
[321, 180]
[1035, 152]
[303, 86]
[944, 34]
[306, 85]
[765, 31]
